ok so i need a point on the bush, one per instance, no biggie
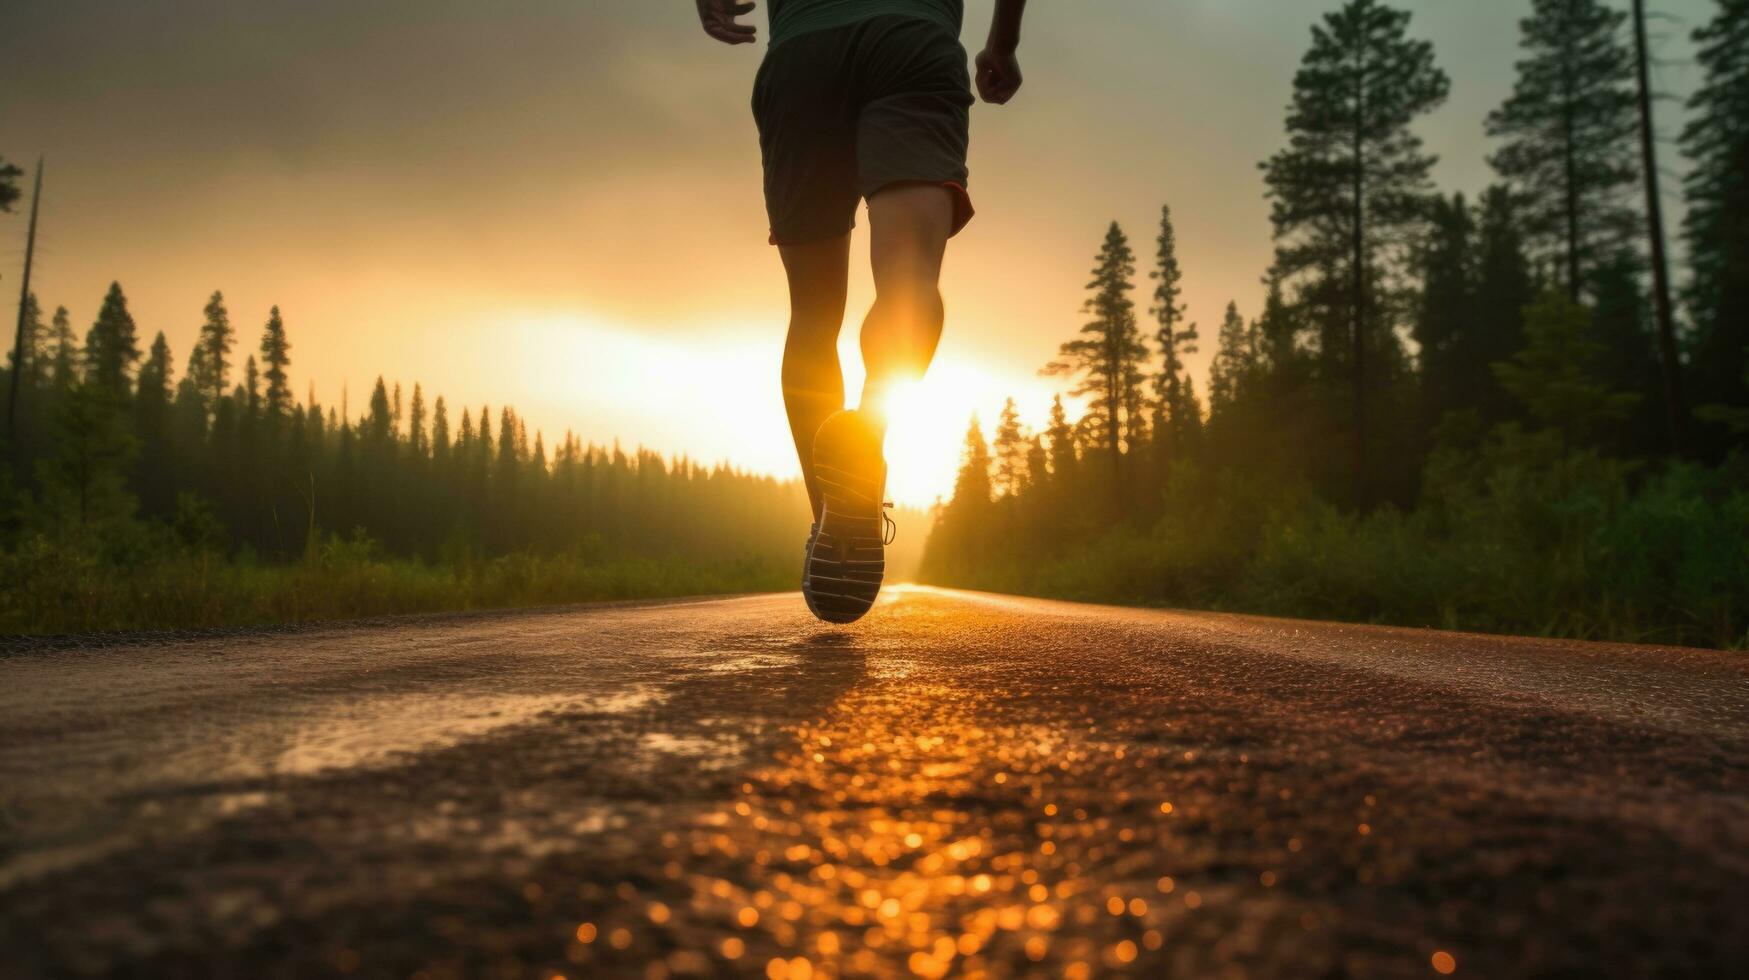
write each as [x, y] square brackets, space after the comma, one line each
[1516, 535]
[60, 587]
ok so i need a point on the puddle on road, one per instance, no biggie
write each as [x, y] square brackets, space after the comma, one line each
[374, 731]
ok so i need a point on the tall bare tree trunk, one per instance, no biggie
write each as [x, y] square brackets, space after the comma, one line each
[1675, 408]
[18, 365]
[1362, 476]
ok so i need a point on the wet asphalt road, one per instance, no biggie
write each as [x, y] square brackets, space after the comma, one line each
[960, 784]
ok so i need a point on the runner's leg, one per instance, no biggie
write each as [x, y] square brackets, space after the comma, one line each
[813, 382]
[909, 224]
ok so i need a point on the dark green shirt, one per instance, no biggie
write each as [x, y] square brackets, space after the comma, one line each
[792, 17]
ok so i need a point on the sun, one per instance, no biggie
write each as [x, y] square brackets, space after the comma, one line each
[927, 422]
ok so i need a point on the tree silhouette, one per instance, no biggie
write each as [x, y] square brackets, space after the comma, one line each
[1060, 436]
[251, 388]
[211, 364]
[276, 354]
[1353, 183]
[379, 425]
[971, 488]
[152, 414]
[1504, 288]
[1108, 355]
[67, 355]
[1235, 358]
[1174, 337]
[1446, 314]
[440, 432]
[112, 345]
[1569, 129]
[416, 440]
[1010, 447]
[154, 389]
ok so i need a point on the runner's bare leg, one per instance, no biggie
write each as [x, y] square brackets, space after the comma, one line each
[813, 381]
[908, 227]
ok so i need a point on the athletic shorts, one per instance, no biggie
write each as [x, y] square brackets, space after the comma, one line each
[846, 111]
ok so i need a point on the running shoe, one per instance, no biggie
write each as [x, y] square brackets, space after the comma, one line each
[847, 553]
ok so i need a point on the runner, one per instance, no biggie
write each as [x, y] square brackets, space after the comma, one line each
[861, 100]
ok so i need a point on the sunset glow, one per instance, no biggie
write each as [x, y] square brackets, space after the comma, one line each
[558, 207]
[714, 395]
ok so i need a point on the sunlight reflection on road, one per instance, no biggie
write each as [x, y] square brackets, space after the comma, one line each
[375, 729]
[905, 833]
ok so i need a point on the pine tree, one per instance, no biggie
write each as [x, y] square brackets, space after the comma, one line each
[971, 488]
[1277, 328]
[36, 371]
[1233, 359]
[1626, 355]
[275, 353]
[1716, 227]
[1551, 377]
[66, 356]
[190, 412]
[153, 392]
[214, 347]
[1109, 353]
[251, 388]
[1010, 447]
[440, 431]
[416, 424]
[1038, 464]
[1061, 437]
[152, 406]
[112, 345]
[1503, 289]
[85, 480]
[1569, 129]
[1190, 431]
[507, 439]
[1446, 312]
[1175, 339]
[1354, 179]
[379, 426]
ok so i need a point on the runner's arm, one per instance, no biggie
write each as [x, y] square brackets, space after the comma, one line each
[998, 69]
[718, 19]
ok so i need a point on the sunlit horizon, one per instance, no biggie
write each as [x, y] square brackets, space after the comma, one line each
[557, 206]
[713, 395]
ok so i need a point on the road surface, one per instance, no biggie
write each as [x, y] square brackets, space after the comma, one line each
[961, 783]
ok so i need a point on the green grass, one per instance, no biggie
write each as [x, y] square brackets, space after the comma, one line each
[53, 590]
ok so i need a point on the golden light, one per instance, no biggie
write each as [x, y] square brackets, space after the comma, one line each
[928, 418]
[713, 393]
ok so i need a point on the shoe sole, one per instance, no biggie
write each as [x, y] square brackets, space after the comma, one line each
[848, 559]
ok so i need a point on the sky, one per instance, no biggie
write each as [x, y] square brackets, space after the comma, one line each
[556, 203]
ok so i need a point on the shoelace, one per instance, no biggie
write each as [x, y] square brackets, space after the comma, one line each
[890, 527]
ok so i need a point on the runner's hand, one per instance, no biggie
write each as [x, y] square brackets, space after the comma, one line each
[998, 75]
[718, 18]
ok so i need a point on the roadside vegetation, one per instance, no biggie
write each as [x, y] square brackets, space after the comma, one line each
[1447, 412]
[135, 499]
